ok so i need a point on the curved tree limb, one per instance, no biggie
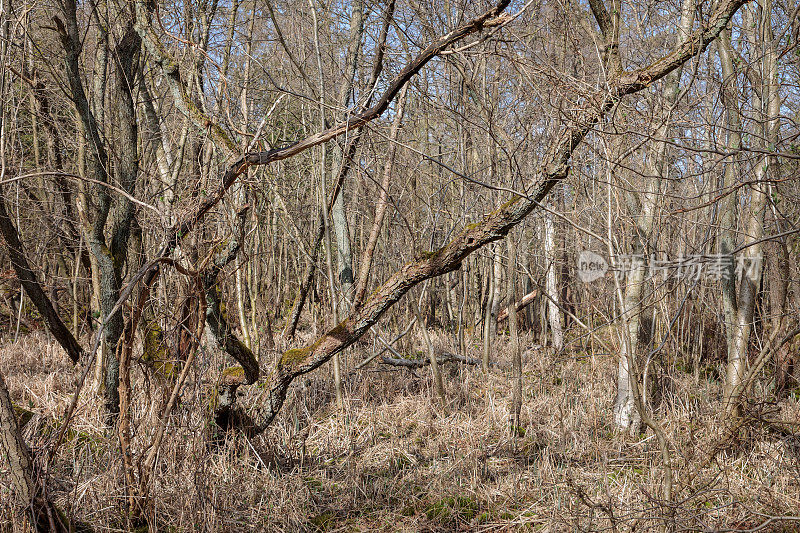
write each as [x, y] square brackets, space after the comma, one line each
[30, 283]
[553, 169]
[495, 226]
[491, 18]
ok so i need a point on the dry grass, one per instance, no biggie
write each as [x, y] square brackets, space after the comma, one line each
[395, 461]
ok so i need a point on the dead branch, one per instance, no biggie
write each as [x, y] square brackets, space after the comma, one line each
[526, 300]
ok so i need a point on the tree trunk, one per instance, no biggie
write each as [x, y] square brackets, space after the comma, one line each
[516, 349]
[643, 209]
[29, 495]
[768, 105]
[367, 257]
[489, 324]
[729, 205]
[31, 284]
[551, 285]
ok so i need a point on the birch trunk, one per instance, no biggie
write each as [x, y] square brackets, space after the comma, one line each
[729, 204]
[344, 253]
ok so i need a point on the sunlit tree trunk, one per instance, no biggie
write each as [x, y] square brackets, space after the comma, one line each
[490, 311]
[516, 349]
[644, 207]
[729, 204]
[551, 285]
[344, 254]
[767, 105]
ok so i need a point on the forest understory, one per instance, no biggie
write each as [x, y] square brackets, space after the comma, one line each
[399, 265]
[395, 459]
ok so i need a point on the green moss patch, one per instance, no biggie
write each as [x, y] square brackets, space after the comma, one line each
[453, 509]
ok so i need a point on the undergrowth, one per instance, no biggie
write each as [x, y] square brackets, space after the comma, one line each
[395, 460]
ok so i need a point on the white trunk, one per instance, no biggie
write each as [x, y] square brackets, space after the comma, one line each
[516, 349]
[626, 416]
[751, 259]
[551, 285]
[337, 374]
[727, 217]
[344, 253]
[489, 322]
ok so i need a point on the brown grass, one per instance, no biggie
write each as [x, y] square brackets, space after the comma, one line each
[395, 461]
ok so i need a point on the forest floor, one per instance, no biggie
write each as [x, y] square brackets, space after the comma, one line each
[395, 460]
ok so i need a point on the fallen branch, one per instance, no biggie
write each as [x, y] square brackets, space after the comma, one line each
[526, 300]
[386, 345]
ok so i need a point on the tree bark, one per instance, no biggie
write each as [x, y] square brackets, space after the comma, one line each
[643, 209]
[768, 106]
[489, 327]
[95, 201]
[25, 484]
[344, 254]
[33, 289]
[516, 349]
[729, 205]
[551, 285]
